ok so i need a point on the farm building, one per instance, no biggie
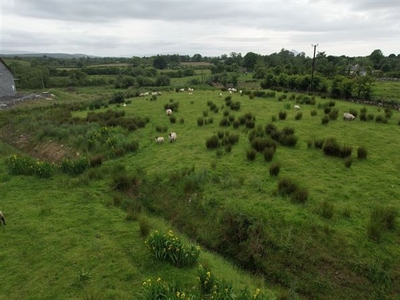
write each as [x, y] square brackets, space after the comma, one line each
[7, 83]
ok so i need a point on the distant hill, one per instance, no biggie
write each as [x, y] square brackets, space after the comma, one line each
[53, 55]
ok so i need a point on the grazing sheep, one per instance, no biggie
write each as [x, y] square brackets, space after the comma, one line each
[160, 140]
[172, 137]
[297, 107]
[220, 94]
[348, 117]
[2, 218]
[190, 90]
[181, 90]
[168, 112]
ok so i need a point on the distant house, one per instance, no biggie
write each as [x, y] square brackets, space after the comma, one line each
[357, 70]
[7, 83]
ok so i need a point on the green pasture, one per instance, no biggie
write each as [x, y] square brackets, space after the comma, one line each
[63, 227]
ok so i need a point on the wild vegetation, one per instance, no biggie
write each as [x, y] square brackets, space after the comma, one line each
[297, 208]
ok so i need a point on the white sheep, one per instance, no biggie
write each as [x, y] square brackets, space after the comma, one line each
[297, 107]
[181, 90]
[2, 218]
[190, 90]
[168, 112]
[172, 137]
[348, 117]
[160, 140]
[220, 94]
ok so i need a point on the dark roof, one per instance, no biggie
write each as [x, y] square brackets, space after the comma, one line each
[7, 67]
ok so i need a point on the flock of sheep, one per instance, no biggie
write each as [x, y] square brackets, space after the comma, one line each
[172, 136]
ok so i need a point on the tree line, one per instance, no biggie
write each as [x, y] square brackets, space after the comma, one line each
[338, 76]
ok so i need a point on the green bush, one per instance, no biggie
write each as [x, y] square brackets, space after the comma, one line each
[325, 120]
[326, 209]
[274, 169]
[362, 152]
[251, 154]
[298, 116]
[313, 112]
[75, 166]
[319, 143]
[333, 115]
[348, 162]
[200, 121]
[300, 195]
[96, 161]
[287, 186]
[268, 154]
[212, 142]
[20, 165]
[170, 248]
[282, 115]
[381, 219]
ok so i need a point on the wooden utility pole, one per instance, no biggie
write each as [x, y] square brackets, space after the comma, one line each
[313, 67]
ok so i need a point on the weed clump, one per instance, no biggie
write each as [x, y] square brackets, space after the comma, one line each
[274, 169]
[362, 152]
[381, 219]
[287, 187]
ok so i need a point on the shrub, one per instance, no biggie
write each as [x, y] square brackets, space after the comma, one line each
[331, 147]
[333, 115]
[205, 113]
[319, 143]
[331, 103]
[251, 154]
[207, 280]
[309, 144]
[274, 169]
[260, 144]
[362, 152]
[212, 142]
[270, 128]
[75, 167]
[224, 122]
[348, 162]
[381, 219]
[327, 110]
[200, 121]
[170, 248]
[144, 227]
[250, 123]
[282, 115]
[325, 120]
[313, 112]
[326, 209]
[268, 154]
[300, 195]
[172, 119]
[388, 113]
[161, 128]
[353, 111]
[345, 151]
[363, 116]
[96, 160]
[226, 113]
[236, 124]
[363, 110]
[298, 116]
[288, 140]
[286, 186]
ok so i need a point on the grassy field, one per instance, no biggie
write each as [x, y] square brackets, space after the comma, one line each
[61, 229]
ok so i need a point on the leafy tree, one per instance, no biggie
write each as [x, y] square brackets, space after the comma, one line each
[376, 58]
[160, 62]
[163, 80]
[250, 60]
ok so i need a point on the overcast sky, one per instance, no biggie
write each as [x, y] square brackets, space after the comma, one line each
[211, 28]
